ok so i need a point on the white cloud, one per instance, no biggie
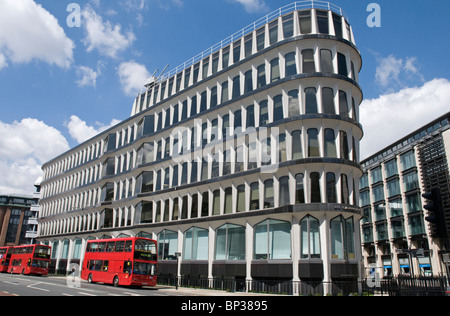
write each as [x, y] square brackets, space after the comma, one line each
[3, 62]
[29, 32]
[392, 72]
[132, 77]
[80, 131]
[105, 37]
[393, 116]
[88, 76]
[253, 6]
[24, 147]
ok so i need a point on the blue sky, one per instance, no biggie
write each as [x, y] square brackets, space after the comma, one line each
[61, 84]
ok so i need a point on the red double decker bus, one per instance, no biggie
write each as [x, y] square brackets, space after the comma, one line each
[122, 261]
[31, 259]
[5, 257]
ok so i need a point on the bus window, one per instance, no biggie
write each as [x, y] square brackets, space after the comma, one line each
[119, 246]
[96, 265]
[110, 246]
[102, 247]
[94, 247]
[127, 267]
[105, 266]
[129, 246]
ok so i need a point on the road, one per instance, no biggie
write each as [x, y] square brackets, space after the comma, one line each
[21, 285]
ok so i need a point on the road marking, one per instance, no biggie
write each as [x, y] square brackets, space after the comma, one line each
[32, 286]
[132, 294]
[87, 294]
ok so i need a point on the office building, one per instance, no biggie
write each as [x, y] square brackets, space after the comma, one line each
[244, 159]
[397, 240]
[18, 220]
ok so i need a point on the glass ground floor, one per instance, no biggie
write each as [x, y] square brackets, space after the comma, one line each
[299, 248]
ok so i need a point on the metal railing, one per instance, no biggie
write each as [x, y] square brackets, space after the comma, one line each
[399, 286]
[298, 5]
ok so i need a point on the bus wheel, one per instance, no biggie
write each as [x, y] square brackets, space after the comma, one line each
[116, 281]
[90, 278]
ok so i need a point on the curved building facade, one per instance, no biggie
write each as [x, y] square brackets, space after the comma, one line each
[244, 160]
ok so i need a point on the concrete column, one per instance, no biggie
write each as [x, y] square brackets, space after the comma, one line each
[295, 235]
[326, 253]
[248, 255]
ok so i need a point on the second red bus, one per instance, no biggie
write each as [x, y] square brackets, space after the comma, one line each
[123, 261]
[31, 259]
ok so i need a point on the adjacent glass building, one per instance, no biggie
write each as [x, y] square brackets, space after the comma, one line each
[391, 191]
[243, 159]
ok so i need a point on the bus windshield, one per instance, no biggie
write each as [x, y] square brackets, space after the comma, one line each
[145, 250]
[42, 252]
[143, 268]
[39, 264]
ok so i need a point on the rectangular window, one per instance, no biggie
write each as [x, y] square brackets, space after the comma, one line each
[342, 65]
[236, 87]
[264, 113]
[278, 113]
[393, 187]
[268, 194]
[248, 81]
[294, 105]
[225, 57]
[196, 72]
[213, 101]
[215, 63]
[315, 187]
[275, 70]
[297, 151]
[273, 32]
[313, 143]
[378, 193]
[337, 21]
[299, 189]
[225, 96]
[240, 201]
[390, 168]
[250, 116]
[228, 201]
[305, 22]
[288, 26]
[322, 21]
[236, 51]
[408, 160]
[254, 196]
[308, 61]
[376, 175]
[205, 67]
[248, 45]
[326, 61]
[216, 202]
[411, 181]
[260, 39]
[261, 76]
[291, 66]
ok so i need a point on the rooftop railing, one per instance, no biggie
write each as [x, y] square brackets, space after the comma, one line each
[298, 5]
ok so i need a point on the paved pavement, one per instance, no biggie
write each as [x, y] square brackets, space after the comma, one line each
[13, 285]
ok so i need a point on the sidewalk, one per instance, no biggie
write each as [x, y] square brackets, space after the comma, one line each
[204, 292]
